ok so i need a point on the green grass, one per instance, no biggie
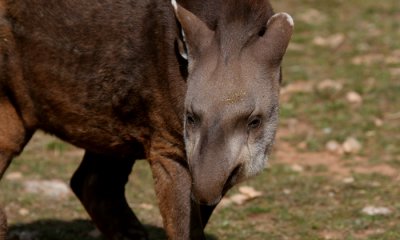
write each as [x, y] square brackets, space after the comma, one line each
[311, 204]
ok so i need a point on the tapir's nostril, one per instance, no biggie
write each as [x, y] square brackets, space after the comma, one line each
[232, 178]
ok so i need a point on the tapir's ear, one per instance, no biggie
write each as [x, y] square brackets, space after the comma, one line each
[271, 46]
[196, 34]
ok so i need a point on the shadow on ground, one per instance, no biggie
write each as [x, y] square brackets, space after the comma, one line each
[51, 229]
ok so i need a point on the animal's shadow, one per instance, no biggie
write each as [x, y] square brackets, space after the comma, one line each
[52, 229]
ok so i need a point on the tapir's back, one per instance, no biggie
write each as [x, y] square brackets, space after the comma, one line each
[93, 68]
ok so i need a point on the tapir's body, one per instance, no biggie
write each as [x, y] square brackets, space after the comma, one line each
[99, 74]
[111, 77]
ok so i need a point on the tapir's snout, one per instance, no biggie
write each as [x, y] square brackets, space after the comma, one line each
[206, 194]
[210, 185]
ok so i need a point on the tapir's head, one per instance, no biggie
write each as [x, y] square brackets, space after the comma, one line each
[231, 105]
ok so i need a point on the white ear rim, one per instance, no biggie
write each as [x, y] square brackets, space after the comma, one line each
[288, 18]
[174, 4]
[184, 55]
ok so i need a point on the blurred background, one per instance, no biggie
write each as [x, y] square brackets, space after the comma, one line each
[334, 173]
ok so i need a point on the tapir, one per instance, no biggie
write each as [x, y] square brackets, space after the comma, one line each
[191, 86]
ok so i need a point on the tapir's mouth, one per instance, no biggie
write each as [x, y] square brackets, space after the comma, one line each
[212, 203]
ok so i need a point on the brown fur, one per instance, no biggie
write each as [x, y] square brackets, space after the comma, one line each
[107, 76]
[3, 224]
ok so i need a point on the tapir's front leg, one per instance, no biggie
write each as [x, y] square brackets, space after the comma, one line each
[173, 182]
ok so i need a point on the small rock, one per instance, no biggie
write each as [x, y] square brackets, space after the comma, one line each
[370, 133]
[354, 98]
[56, 189]
[225, 202]
[297, 168]
[376, 184]
[368, 59]
[12, 176]
[246, 194]
[351, 145]
[296, 47]
[348, 180]
[378, 122]
[312, 16]
[330, 84]
[332, 41]
[250, 192]
[333, 146]
[327, 130]
[373, 211]
[23, 212]
[239, 199]
[287, 191]
[146, 206]
[331, 235]
[297, 87]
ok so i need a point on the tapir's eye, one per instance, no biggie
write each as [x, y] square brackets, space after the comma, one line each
[254, 122]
